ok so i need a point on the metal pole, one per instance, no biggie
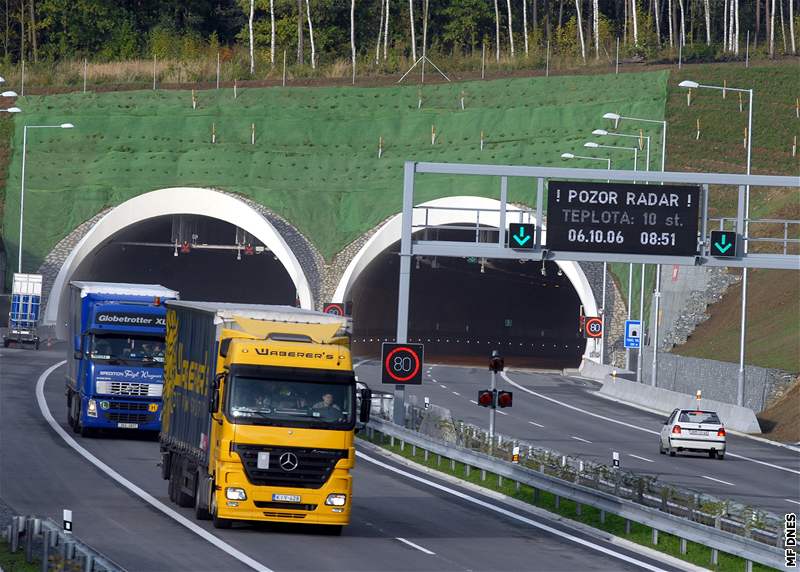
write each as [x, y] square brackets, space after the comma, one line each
[740, 380]
[617, 69]
[641, 318]
[217, 70]
[22, 195]
[664, 147]
[657, 298]
[603, 314]
[547, 61]
[492, 411]
[405, 281]
[630, 290]
[85, 65]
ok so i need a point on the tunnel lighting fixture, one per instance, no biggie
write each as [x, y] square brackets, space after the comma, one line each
[543, 270]
[560, 272]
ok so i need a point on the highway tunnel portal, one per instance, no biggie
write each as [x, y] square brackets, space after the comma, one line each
[211, 245]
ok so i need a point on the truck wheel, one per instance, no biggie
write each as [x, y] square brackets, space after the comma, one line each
[332, 530]
[181, 498]
[171, 488]
[70, 416]
[6, 343]
[215, 520]
[200, 512]
[37, 345]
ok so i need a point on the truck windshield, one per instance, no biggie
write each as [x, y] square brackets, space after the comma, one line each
[261, 401]
[125, 349]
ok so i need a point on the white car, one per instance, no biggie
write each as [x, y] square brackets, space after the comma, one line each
[693, 430]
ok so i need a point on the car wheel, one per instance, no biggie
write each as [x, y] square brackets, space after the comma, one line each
[661, 448]
[720, 456]
[672, 452]
[712, 453]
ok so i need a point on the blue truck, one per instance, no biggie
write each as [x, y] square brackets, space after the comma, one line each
[115, 360]
[23, 317]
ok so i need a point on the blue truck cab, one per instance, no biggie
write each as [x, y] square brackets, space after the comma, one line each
[115, 360]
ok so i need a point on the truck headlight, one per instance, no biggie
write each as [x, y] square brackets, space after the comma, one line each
[235, 493]
[335, 499]
[91, 409]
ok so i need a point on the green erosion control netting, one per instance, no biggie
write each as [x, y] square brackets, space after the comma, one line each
[315, 158]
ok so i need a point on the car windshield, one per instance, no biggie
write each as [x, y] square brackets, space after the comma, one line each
[699, 417]
[262, 401]
[124, 349]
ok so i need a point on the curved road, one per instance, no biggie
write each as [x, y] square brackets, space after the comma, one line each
[402, 519]
[566, 414]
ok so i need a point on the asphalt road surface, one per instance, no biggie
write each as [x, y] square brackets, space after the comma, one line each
[398, 523]
[754, 473]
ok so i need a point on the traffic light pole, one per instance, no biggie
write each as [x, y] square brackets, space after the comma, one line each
[399, 408]
[493, 410]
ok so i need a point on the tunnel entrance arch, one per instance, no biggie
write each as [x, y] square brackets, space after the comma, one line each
[460, 210]
[198, 202]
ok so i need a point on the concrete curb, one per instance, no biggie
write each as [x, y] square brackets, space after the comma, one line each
[664, 400]
[522, 506]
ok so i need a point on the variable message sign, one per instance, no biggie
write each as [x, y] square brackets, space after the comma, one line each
[622, 218]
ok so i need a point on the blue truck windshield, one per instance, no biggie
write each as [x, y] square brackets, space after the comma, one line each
[126, 349]
[260, 401]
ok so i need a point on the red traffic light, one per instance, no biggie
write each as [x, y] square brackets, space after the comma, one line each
[505, 398]
[185, 248]
[485, 398]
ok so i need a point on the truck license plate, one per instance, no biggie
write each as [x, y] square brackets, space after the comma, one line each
[263, 460]
[285, 498]
[128, 425]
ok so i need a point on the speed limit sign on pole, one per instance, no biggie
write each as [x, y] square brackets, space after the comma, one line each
[402, 363]
[594, 327]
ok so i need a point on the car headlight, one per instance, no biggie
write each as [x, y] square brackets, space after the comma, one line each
[335, 499]
[235, 493]
[91, 409]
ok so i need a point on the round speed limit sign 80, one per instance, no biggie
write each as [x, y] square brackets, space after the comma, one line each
[594, 327]
[402, 363]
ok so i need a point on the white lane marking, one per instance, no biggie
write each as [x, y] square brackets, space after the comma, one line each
[508, 513]
[618, 422]
[535, 423]
[502, 412]
[417, 546]
[640, 458]
[580, 439]
[794, 501]
[443, 386]
[434, 381]
[718, 480]
[456, 393]
[473, 401]
[141, 493]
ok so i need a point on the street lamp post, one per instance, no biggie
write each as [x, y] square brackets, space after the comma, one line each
[694, 85]
[22, 179]
[605, 264]
[593, 145]
[603, 132]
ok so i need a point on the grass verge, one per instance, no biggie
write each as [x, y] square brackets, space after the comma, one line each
[668, 544]
[15, 562]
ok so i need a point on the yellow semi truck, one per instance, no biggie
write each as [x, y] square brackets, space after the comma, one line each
[259, 414]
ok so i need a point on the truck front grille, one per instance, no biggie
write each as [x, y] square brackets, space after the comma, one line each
[128, 388]
[314, 466]
[285, 505]
[129, 417]
[131, 406]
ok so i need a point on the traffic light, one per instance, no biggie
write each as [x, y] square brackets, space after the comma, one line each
[485, 398]
[505, 398]
[496, 363]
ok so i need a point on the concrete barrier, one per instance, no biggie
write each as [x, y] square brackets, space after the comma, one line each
[733, 416]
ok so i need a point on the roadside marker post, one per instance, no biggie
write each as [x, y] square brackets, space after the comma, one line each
[615, 459]
[67, 521]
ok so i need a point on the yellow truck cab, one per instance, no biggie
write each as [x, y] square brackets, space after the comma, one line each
[259, 413]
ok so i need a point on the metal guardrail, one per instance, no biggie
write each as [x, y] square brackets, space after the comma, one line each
[56, 549]
[685, 529]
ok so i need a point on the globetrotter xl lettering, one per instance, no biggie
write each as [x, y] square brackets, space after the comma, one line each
[622, 218]
[127, 319]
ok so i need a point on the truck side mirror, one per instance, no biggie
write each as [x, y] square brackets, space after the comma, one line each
[366, 405]
[213, 403]
[78, 354]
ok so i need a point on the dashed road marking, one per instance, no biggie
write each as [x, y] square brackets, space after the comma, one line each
[580, 439]
[641, 458]
[456, 393]
[417, 546]
[537, 424]
[718, 480]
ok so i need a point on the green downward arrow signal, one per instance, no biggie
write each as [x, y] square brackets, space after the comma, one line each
[521, 238]
[723, 248]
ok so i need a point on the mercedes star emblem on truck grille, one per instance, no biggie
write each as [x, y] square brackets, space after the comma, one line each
[288, 461]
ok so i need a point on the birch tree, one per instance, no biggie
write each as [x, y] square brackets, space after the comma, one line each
[272, 34]
[635, 21]
[708, 22]
[657, 17]
[683, 24]
[386, 32]
[413, 38]
[736, 31]
[669, 17]
[380, 31]
[250, 31]
[311, 37]
[300, 54]
[596, 24]
[580, 30]
[353, 36]
[510, 30]
[791, 26]
[525, 23]
[772, 29]
[497, 31]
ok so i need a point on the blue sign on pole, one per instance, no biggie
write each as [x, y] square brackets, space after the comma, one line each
[633, 334]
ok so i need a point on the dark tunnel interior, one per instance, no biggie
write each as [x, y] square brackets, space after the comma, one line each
[461, 309]
[197, 272]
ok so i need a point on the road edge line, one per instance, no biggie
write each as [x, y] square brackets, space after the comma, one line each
[131, 487]
[578, 527]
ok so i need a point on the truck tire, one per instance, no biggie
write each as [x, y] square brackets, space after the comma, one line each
[70, 416]
[216, 521]
[6, 343]
[177, 474]
[332, 530]
[200, 512]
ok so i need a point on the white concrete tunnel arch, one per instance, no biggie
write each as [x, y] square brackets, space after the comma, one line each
[174, 201]
[457, 210]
